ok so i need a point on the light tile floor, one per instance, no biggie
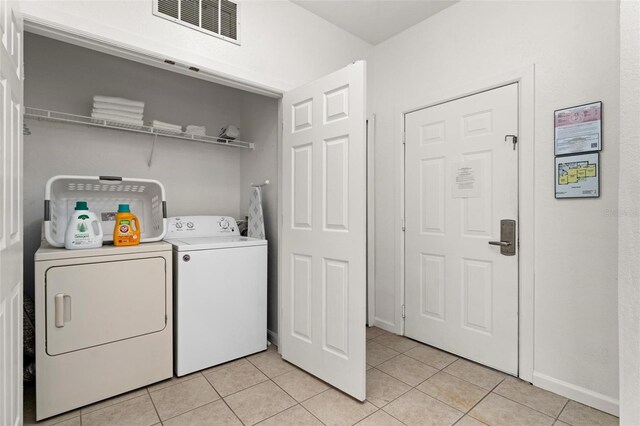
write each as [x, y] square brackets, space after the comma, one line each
[407, 383]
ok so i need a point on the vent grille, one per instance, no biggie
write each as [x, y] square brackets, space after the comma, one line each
[216, 17]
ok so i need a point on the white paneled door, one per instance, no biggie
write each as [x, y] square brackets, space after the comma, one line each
[11, 84]
[323, 257]
[461, 182]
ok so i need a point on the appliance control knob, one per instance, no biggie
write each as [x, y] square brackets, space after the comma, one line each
[189, 225]
[179, 225]
[224, 224]
[186, 258]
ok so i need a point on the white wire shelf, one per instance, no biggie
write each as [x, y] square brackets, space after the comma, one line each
[63, 117]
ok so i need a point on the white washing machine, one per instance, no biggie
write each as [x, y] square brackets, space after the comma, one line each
[103, 323]
[220, 292]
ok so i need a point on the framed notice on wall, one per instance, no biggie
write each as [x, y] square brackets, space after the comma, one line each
[578, 176]
[578, 129]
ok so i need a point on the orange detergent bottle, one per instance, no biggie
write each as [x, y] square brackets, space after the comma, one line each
[127, 229]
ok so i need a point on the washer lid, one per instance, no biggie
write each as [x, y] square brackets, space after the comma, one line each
[210, 243]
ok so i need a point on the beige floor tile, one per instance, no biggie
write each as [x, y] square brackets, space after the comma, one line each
[431, 356]
[469, 421]
[300, 385]
[453, 391]
[294, 416]
[382, 388]
[369, 367]
[183, 397]
[233, 363]
[270, 349]
[498, 411]
[380, 418]
[133, 412]
[173, 381]
[235, 378]
[214, 414]
[377, 354]
[577, 414]
[272, 364]
[416, 408]
[334, 408]
[75, 421]
[373, 332]
[533, 397]
[560, 423]
[115, 400]
[409, 370]
[397, 343]
[475, 373]
[259, 402]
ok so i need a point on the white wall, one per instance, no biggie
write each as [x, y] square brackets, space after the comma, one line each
[629, 214]
[260, 125]
[198, 178]
[283, 45]
[575, 52]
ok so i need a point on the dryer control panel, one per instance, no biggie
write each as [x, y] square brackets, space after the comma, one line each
[201, 226]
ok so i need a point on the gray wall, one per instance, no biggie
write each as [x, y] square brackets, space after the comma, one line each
[198, 178]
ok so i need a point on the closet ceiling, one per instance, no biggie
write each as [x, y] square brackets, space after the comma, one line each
[374, 21]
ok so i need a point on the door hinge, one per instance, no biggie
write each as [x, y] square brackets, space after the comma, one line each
[404, 138]
[403, 312]
[403, 226]
[514, 140]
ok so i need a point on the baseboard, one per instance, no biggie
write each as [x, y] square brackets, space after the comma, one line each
[272, 336]
[577, 393]
[385, 325]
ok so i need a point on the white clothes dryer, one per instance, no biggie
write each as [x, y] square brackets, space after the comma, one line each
[220, 292]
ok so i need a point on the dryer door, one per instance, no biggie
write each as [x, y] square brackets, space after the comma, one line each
[98, 303]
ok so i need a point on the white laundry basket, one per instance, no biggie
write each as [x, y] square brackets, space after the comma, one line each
[103, 194]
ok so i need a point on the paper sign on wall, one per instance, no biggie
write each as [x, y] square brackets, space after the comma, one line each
[467, 179]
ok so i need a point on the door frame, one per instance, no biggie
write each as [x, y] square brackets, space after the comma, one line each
[525, 77]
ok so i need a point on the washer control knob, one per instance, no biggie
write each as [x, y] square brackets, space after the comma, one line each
[186, 258]
[224, 223]
[179, 225]
[189, 225]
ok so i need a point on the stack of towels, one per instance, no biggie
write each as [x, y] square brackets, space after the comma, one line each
[166, 127]
[118, 109]
[196, 130]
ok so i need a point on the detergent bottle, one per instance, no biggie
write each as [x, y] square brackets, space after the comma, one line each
[127, 229]
[83, 229]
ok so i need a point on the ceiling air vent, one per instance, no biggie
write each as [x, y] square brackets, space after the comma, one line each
[215, 17]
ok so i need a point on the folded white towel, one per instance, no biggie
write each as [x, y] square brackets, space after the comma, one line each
[162, 124]
[119, 113]
[110, 105]
[118, 101]
[196, 130]
[116, 118]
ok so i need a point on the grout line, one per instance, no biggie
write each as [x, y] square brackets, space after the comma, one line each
[563, 408]
[534, 409]
[154, 405]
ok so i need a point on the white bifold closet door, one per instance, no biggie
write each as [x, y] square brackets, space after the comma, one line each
[11, 234]
[323, 257]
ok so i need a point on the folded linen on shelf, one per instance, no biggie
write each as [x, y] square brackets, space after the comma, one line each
[196, 130]
[116, 118]
[119, 113]
[118, 101]
[166, 126]
[124, 108]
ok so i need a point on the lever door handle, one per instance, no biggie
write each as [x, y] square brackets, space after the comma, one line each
[500, 243]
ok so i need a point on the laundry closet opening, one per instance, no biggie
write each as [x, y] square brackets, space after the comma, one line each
[199, 178]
